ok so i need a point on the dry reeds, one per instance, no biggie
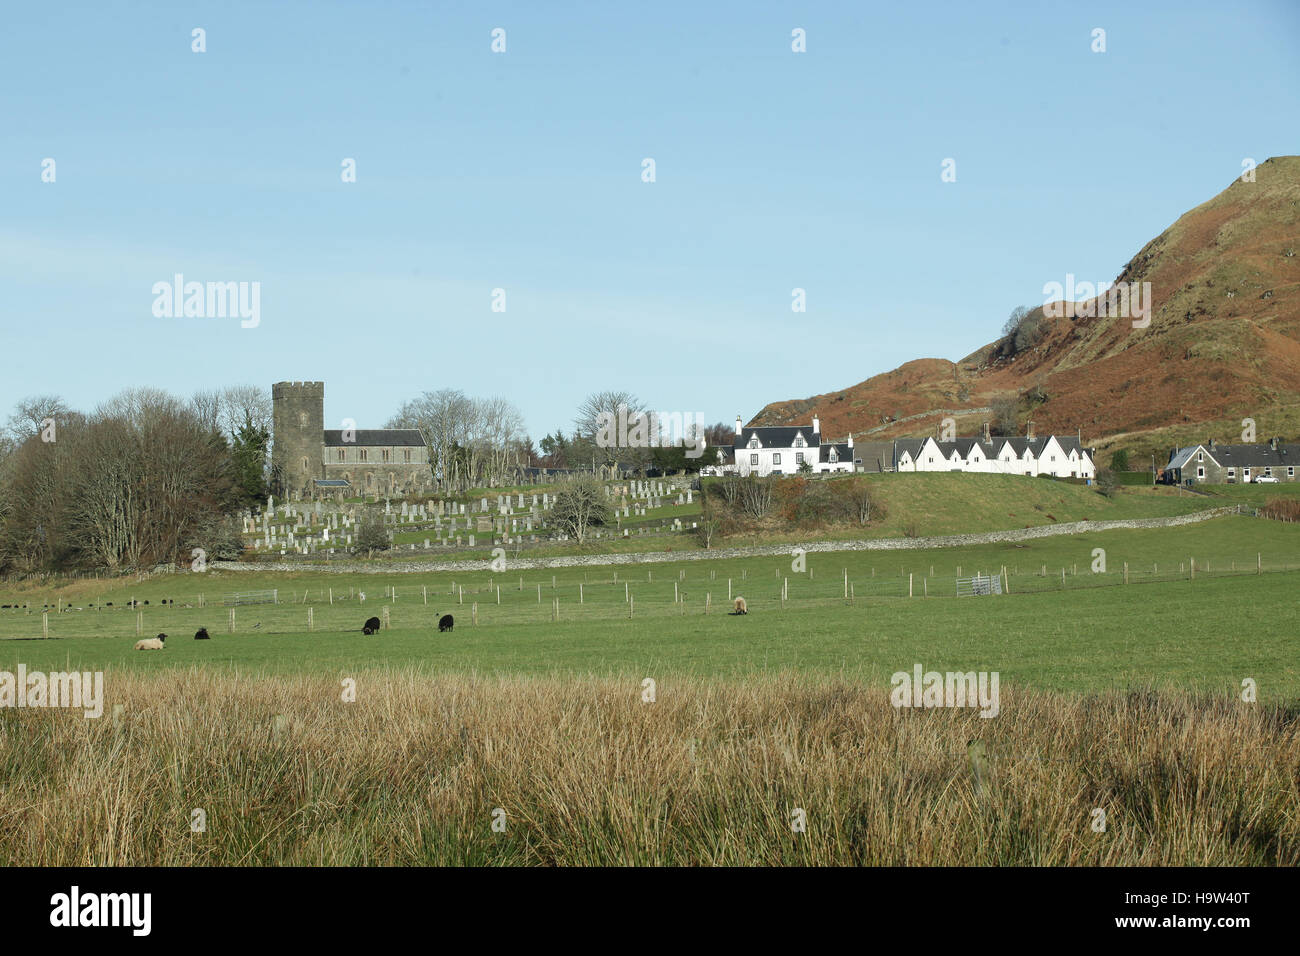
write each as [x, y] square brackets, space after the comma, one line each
[712, 772]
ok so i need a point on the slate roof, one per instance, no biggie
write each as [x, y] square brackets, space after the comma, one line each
[844, 452]
[372, 437]
[1254, 456]
[330, 482]
[875, 454]
[777, 436]
[1182, 456]
[1258, 455]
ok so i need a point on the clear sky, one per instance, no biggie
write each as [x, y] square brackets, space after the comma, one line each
[522, 171]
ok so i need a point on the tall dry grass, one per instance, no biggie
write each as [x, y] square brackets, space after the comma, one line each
[589, 774]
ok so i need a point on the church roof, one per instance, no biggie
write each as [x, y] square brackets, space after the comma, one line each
[374, 437]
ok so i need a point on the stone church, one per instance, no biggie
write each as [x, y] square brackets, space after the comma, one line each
[312, 461]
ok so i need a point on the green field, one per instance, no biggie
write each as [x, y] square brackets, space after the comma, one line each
[1087, 631]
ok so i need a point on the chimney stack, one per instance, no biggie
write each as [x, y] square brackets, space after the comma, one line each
[987, 436]
[850, 439]
[738, 425]
[1272, 443]
[1212, 444]
[1029, 430]
[817, 425]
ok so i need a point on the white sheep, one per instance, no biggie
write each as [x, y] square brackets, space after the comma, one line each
[151, 643]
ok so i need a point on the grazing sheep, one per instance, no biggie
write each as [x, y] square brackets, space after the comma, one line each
[201, 634]
[151, 643]
[739, 606]
[372, 626]
[446, 622]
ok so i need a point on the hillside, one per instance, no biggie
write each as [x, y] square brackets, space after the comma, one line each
[1223, 344]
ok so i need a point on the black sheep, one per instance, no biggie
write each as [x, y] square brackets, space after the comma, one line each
[372, 626]
[446, 622]
[201, 634]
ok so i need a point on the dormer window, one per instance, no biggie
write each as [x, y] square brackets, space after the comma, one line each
[799, 442]
[753, 442]
[834, 456]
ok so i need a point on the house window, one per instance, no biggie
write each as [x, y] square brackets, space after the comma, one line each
[343, 454]
[932, 459]
[776, 458]
[798, 458]
[1268, 470]
[1200, 472]
[304, 464]
[385, 454]
[1200, 456]
[406, 454]
[1245, 473]
[1053, 458]
[753, 459]
[1290, 471]
[1232, 472]
[361, 453]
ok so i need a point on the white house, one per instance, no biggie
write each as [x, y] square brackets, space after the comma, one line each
[783, 449]
[1060, 456]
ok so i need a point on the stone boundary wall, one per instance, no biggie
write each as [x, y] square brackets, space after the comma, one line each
[665, 557]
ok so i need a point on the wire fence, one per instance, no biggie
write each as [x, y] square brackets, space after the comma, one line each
[600, 594]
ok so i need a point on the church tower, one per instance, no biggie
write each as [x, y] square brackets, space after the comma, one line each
[298, 423]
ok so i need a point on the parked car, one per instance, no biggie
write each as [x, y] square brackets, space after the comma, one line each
[1266, 480]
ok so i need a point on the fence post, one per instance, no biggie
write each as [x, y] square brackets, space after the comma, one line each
[384, 614]
[310, 623]
[45, 624]
[232, 621]
[909, 584]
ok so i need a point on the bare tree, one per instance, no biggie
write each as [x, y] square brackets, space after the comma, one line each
[206, 405]
[755, 494]
[31, 413]
[600, 408]
[1006, 414]
[858, 493]
[580, 505]
[126, 487]
[246, 404]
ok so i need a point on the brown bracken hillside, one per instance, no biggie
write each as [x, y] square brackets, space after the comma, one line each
[1223, 344]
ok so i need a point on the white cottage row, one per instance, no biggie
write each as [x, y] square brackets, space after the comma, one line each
[1057, 455]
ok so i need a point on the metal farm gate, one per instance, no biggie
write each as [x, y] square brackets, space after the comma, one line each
[980, 584]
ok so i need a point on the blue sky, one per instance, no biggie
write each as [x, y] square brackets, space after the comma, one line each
[522, 171]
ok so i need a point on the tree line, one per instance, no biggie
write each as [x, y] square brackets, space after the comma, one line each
[145, 478]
